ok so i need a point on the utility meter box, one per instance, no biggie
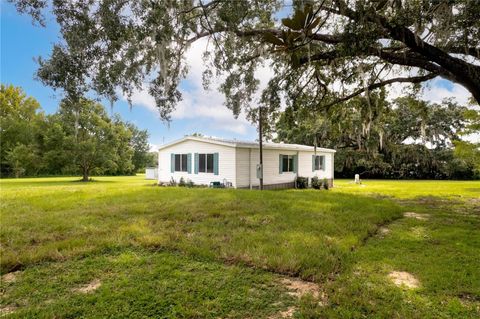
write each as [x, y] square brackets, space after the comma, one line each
[259, 171]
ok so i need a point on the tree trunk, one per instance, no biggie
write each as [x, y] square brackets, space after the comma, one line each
[85, 175]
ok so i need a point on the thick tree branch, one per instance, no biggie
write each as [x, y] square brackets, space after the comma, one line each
[407, 58]
[472, 51]
[404, 58]
[461, 71]
[414, 79]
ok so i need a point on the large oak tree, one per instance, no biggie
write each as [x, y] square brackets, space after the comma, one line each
[326, 50]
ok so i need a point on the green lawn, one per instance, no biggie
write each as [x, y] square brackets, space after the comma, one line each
[151, 251]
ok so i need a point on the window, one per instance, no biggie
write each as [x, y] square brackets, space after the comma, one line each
[319, 162]
[205, 163]
[209, 163]
[287, 163]
[181, 163]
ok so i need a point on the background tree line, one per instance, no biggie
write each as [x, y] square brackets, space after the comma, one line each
[325, 55]
[405, 138]
[80, 138]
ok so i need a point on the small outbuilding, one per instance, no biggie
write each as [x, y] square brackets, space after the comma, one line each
[151, 173]
[207, 161]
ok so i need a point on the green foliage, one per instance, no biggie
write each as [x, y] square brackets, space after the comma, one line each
[22, 160]
[377, 138]
[151, 159]
[469, 154]
[325, 184]
[302, 182]
[172, 182]
[323, 52]
[96, 142]
[79, 138]
[141, 149]
[316, 182]
[182, 182]
[190, 183]
[20, 123]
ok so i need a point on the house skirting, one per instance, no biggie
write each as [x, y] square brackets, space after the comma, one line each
[284, 185]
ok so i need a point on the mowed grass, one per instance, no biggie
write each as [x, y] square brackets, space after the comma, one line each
[209, 253]
[442, 251]
[140, 284]
[305, 233]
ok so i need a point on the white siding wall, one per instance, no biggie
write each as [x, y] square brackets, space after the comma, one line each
[236, 167]
[305, 164]
[226, 162]
[243, 167]
[271, 174]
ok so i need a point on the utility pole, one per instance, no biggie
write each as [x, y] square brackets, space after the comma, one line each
[261, 145]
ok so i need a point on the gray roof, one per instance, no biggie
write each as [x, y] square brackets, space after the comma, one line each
[248, 144]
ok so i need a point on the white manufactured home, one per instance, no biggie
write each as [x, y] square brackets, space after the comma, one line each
[230, 162]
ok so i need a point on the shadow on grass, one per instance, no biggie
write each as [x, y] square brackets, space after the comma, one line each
[92, 180]
[46, 182]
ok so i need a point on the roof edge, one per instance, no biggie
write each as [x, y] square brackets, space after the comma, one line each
[195, 138]
[245, 145]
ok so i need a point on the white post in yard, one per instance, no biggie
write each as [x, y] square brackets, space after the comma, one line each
[260, 137]
[357, 178]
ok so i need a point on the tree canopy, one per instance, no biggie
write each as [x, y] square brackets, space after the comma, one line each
[20, 121]
[80, 138]
[328, 51]
[406, 138]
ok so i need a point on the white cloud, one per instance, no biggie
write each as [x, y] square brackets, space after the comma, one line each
[153, 147]
[207, 107]
[435, 92]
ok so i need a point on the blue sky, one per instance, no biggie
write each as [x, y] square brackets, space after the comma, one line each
[201, 111]
[22, 42]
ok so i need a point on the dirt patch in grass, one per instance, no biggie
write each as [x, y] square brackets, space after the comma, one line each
[403, 279]
[468, 299]
[383, 231]
[416, 215]
[7, 310]
[299, 288]
[10, 277]
[284, 314]
[475, 203]
[90, 287]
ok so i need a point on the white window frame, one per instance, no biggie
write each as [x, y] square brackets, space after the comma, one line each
[321, 166]
[289, 169]
[206, 163]
[182, 157]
